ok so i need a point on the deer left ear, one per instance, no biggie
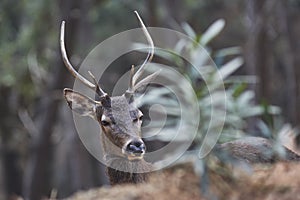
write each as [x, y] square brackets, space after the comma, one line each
[80, 104]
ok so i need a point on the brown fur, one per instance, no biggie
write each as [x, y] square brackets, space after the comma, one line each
[256, 150]
[121, 170]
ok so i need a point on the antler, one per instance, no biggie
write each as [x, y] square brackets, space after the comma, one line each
[135, 76]
[71, 69]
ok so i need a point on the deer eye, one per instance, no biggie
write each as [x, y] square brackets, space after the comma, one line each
[105, 123]
[138, 119]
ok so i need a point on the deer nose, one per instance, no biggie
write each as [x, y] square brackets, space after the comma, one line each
[136, 147]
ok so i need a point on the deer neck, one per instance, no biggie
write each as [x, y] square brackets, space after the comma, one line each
[121, 170]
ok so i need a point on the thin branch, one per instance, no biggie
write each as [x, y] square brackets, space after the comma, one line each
[28, 123]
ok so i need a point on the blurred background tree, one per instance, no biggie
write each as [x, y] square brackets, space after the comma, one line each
[40, 151]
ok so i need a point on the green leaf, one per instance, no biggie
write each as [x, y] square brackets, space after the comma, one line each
[188, 30]
[230, 67]
[239, 89]
[212, 31]
[228, 51]
[265, 130]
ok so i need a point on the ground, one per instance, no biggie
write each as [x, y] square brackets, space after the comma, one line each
[264, 182]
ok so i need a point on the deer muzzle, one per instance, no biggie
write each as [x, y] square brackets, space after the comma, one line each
[134, 149]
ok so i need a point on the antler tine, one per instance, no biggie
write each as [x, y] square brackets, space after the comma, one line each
[131, 85]
[71, 69]
[150, 53]
[98, 90]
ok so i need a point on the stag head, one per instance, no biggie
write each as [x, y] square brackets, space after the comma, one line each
[118, 117]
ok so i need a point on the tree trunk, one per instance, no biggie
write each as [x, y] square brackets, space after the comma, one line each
[256, 47]
[289, 55]
[37, 174]
[271, 55]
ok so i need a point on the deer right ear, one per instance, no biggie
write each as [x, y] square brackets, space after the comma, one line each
[80, 104]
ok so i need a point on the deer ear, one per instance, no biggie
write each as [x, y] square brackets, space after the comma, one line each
[80, 104]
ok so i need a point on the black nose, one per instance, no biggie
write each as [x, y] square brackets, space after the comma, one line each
[136, 147]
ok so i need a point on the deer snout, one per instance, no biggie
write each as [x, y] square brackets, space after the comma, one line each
[135, 149]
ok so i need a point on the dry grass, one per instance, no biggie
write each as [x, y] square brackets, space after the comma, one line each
[266, 182]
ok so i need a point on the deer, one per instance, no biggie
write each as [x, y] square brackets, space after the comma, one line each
[254, 150]
[119, 118]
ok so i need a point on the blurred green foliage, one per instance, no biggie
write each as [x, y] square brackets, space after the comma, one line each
[26, 36]
[239, 103]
